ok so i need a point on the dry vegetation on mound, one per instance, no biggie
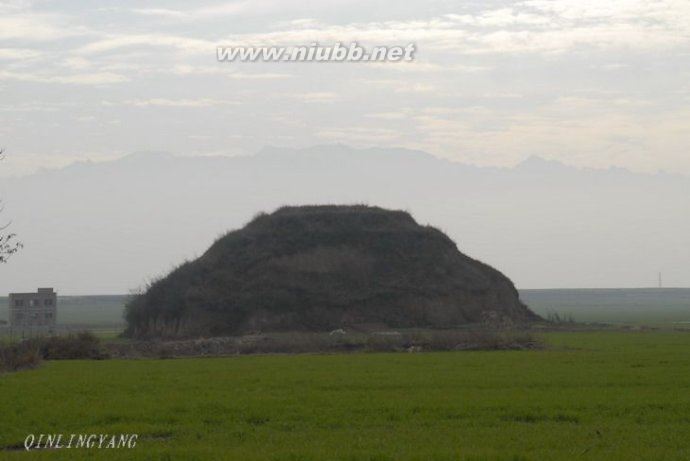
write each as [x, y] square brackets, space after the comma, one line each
[300, 342]
[85, 346]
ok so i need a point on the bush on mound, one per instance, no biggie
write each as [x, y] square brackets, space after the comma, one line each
[318, 268]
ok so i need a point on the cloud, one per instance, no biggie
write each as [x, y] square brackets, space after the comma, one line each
[181, 43]
[501, 17]
[583, 131]
[18, 53]
[194, 14]
[415, 88]
[389, 115]
[317, 97]
[257, 75]
[165, 102]
[533, 26]
[33, 106]
[226, 71]
[663, 11]
[96, 78]
[161, 12]
[497, 79]
[421, 66]
[358, 134]
[37, 27]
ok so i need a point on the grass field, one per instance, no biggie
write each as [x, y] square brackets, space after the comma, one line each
[589, 396]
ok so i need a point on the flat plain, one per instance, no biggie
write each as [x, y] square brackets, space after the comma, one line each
[588, 395]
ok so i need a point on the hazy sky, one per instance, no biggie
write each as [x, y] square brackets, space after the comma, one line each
[108, 227]
[588, 82]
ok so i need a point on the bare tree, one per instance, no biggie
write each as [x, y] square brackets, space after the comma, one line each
[8, 241]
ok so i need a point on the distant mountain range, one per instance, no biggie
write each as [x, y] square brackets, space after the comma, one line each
[107, 227]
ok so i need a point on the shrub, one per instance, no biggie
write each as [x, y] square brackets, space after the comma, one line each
[83, 345]
[559, 319]
[18, 356]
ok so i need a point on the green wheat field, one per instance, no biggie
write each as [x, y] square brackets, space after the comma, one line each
[611, 395]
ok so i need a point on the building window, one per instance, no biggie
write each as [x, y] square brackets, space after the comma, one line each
[18, 302]
[47, 302]
[49, 315]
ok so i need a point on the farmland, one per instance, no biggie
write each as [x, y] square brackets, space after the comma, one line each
[613, 394]
[594, 395]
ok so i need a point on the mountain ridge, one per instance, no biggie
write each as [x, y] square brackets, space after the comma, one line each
[338, 150]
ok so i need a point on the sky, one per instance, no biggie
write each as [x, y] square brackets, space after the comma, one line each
[589, 83]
